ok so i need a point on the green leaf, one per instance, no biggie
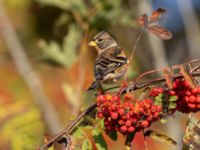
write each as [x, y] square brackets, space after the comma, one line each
[129, 139]
[173, 98]
[113, 135]
[172, 105]
[159, 97]
[87, 145]
[163, 120]
[99, 139]
[159, 137]
[79, 133]
[64, 55]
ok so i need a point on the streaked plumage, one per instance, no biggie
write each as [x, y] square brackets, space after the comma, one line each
[111, 62]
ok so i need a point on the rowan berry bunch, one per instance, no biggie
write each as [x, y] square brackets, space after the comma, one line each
[125, 114]
[188, 98]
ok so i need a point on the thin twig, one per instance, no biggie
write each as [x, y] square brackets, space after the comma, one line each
[136, 44]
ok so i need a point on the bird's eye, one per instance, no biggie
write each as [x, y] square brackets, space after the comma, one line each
[99, 40]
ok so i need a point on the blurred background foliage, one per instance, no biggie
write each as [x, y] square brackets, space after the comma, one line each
[54, 35]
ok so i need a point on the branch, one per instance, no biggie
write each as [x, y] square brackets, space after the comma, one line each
[138, 85]
[132, 87]
[69, 127]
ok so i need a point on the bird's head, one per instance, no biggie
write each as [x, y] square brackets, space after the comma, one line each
[102, 41]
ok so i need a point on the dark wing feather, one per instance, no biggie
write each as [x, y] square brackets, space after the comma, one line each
[108, 62]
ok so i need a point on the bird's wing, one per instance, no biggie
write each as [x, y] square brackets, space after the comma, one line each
[108, 62]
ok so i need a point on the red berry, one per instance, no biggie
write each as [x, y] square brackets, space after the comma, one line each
[121, 122]
[192, 106]
[192, 99]
[128, 123]
[128, 96]
[100, 115]
[133, 120]
[153, 109]
[188, 93]
[123, 129]
[144, 124]
[160, 90]
[159, 108]
[195, 91]
[198, 99]
[155, 115]
[198, 106]
[186, 99]
[113, 107]
[109, 97]
[150, 117]
[131, 129]
[114, 115]
[121, 111]
[172, 93]
[115, 98]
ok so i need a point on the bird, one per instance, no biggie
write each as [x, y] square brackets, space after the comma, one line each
[111, 62]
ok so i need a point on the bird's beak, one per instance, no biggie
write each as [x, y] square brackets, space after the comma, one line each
[92, 43]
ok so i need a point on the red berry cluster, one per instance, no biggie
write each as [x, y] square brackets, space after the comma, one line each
[156, 91]
[188, 98]
[124, 115]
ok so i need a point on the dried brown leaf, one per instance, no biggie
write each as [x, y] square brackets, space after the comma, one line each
[160, 32]
[157, 14]
[143, 20]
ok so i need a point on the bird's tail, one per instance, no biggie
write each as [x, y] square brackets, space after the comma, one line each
[94, 85]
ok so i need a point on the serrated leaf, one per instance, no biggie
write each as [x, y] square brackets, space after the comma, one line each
[113, 135]
[173, 98]
[99, 139]
[87, 145]
[159, 137]
[172, 105]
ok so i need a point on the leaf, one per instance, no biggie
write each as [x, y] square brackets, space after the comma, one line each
[159, 137]
[173, 98]
[71, 41]
[99, 139]
[64, 55]
[87, 145]
[79, 133]
[129, 139]
[157, 14]
[163, 120]
[160, 32]
[143, 20]
[172, 105]
[113, 135]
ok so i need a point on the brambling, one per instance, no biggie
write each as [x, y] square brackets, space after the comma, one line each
[111, 62]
